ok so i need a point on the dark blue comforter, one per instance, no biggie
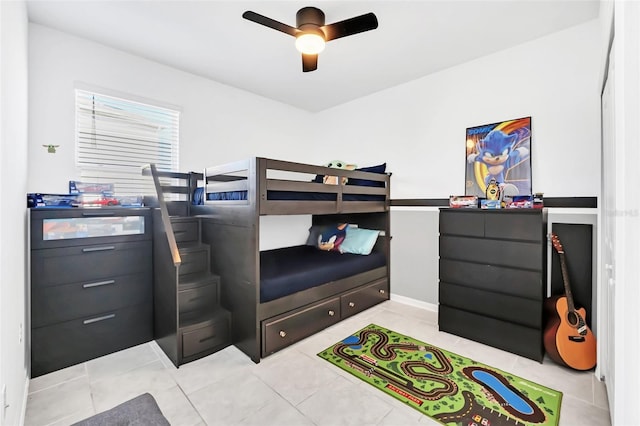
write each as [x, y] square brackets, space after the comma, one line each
[288, 270]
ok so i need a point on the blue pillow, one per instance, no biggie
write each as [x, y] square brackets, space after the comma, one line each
[380, 168]
[359, 240]
[198, 196]
[314, 232]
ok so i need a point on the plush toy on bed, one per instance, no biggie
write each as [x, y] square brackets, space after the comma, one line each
[331, 237]
[337, 164]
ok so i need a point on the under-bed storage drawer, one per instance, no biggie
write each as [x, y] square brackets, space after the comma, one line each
[284, 330]
[364, 298]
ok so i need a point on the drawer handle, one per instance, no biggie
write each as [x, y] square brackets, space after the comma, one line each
[98, 284]
[98, 319]
[351, 304]
[381, 291]
[331, 313]
[97, 213]
[282, 333]
[103, 248]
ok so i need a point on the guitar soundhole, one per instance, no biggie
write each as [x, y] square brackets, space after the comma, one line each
[572, 319]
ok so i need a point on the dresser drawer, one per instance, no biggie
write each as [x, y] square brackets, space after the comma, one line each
[53, 304]
[71, 342]
[517, 310]
[364, 298]
[198, 298]
[284, 330]
[495, 252]
[516, 282]
[74, 227]
[205, 338]
[461, 222]
[515, 225]
[514, 338]
[50, 267]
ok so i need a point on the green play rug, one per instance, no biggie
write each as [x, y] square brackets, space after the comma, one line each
[445, 386]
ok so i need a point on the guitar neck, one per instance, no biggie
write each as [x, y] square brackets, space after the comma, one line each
[565, 280]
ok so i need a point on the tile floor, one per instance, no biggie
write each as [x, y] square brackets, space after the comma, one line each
[290, 387]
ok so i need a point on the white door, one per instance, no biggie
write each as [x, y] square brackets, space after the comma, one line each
[606, 296]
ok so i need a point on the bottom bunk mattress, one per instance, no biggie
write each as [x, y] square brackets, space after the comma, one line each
[288, 270]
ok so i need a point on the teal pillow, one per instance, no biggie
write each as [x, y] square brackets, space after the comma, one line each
[359, 240]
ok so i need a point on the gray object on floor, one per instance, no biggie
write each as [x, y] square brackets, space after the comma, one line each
[139, 411]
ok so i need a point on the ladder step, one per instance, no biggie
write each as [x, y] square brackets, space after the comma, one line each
[186, 231]
[195, 259]
[204, 298]
[197, 279]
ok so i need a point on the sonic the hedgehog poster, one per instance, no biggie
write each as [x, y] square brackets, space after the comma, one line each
[500, 151]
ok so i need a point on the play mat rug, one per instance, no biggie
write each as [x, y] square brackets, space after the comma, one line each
[447, 387]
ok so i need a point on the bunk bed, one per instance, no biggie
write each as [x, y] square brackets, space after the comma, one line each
[280, 296]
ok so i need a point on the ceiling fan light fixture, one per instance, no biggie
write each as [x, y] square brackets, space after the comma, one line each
[311, 33]
[310, 43]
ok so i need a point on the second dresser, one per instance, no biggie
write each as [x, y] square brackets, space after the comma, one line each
[492, 273]
[91, 284]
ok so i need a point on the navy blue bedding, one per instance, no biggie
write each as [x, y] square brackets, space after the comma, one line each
[288, 270]
[292, 195]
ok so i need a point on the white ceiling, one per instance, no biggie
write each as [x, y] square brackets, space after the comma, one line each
[211, 39]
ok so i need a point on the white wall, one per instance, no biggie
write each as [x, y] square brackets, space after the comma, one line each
[218, 123]
[13, 184]
[419, 127]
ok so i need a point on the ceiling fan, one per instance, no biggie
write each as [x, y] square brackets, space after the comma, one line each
[311, 33]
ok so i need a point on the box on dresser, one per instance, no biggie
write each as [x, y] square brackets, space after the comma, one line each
[91, 284]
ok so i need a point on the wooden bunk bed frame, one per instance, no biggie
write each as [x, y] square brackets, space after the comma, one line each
[232, 228]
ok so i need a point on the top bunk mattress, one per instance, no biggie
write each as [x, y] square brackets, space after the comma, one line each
[293, 195]
[271, 184]
[288, 270]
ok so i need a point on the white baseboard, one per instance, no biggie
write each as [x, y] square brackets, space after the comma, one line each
[414, 302]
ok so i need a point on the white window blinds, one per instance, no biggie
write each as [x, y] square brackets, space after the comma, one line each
[116, 137]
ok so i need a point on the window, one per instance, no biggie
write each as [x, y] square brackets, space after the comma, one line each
[116, 137]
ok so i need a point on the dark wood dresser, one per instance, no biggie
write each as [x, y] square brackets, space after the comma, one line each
[91, 284]
[493, 277]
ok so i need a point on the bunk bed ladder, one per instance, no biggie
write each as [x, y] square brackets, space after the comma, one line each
[189, 321]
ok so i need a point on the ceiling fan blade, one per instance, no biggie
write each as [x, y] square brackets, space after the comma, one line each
[271, 23]
[350, 26]
[309, 62]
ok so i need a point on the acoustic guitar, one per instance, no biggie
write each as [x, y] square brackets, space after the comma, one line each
[567, 338]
